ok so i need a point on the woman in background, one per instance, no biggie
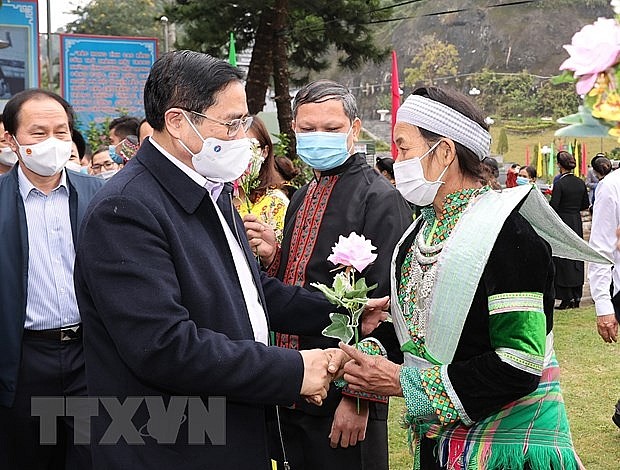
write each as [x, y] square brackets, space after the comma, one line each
[511, 175]
[527, 175]
[385, 166]
[490, 170]
[270, 199]
[569, 197]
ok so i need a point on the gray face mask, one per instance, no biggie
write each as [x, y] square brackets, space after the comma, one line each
[412, 184]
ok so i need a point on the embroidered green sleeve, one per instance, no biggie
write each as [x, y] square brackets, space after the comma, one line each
[371, 347]
[517, 327]
[417, 402]
[435, 388]
[427, 396]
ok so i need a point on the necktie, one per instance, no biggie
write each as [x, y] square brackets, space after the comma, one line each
[224, 202]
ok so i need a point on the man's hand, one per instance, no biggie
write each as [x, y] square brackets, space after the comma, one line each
[349, 426]
[316, 378]
[607, 327]
[261, 237]
[337, 359]
[375, 312]
[373, 374]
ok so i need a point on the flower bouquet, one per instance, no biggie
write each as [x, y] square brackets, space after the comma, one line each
[249, 180]
[594, 66]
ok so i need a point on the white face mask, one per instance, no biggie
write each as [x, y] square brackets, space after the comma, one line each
[220, 160]
[73, 166]
[46, 158]
[106, 175]
[7, 156]
[412, 184]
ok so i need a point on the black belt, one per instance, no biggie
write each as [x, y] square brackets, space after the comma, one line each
[67, 333]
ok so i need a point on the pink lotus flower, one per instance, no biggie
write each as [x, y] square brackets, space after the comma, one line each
[593, 50]
[354, 250]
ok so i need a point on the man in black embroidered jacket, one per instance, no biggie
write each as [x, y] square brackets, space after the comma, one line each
[346, 195]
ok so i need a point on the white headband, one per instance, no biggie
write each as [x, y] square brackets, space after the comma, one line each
[443, 120]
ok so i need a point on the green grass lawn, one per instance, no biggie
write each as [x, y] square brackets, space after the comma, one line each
[591, 383]
[518, 142]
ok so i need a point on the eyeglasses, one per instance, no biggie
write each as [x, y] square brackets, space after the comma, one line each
[109, 165]
[233, 125]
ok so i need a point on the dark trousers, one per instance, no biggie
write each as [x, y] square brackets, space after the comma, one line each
[568, 293]
[49, 368]
[306, 441]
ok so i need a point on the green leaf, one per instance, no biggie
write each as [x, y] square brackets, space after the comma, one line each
[339, 328]
[360, 284]
[328, 293]
[341, 285]
[355, 317]
[589, 101]
[564, 77]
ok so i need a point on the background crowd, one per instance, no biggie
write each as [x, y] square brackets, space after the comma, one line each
[143, 268]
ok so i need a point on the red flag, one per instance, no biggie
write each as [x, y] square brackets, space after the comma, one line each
[527, 156]
[584, 160]
[395, 99]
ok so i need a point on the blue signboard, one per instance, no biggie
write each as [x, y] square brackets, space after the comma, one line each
[103, 76]
[19, 48]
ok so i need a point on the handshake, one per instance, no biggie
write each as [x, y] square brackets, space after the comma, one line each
[321, 366]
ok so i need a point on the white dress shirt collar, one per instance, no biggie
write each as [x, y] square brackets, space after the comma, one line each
[25, 185]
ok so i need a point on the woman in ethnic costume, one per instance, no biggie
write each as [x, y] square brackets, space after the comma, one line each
[472, 303]
[268, 202]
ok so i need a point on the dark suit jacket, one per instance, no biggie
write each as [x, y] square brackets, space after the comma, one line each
[14, 266]
[164, 315]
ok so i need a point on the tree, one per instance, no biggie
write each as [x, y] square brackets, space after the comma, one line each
[502, 142]
[289, 37]
[119, 18]
[556, 100]
[511, 94]
[435, 59]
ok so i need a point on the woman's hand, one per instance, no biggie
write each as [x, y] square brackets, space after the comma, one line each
[372, 374]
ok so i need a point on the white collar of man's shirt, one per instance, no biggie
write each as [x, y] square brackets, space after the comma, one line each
[214, 188]
[25, 185]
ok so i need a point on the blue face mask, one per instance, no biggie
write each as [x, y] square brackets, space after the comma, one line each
[323, 150]
[521, 180]
[116, 158]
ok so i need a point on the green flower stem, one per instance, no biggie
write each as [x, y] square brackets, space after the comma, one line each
[351, 273]
[356, 347]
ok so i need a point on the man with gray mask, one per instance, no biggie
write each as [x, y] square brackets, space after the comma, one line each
[41, 207]
[346, 195]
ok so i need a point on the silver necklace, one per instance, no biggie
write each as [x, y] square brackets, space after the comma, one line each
[422, 281]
